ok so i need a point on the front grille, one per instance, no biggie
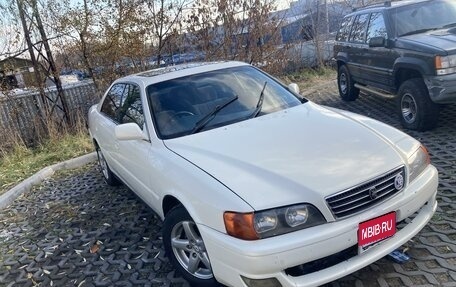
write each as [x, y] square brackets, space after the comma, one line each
[361, 197]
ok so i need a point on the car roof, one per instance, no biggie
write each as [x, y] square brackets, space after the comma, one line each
[178, 71]
[384, 6]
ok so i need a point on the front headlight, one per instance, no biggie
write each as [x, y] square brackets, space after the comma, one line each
[272, 222]
[445, 64]
[418, 162]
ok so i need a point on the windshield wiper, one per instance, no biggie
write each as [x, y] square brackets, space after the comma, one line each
[418, 31]
[448, 26]
[207, 118]
[259, 103]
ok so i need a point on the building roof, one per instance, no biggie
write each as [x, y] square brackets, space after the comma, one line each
[15, 59]
[15, 64]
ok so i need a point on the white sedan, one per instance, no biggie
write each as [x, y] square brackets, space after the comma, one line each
[256, 185]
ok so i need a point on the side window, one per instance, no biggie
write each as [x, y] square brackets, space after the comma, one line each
[376, 26]
[113, 101]
[344, 30]
[358, 33]
[132, 109]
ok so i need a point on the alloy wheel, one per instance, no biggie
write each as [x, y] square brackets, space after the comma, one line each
[409, 108]
[189, 250]
[343, 83]
[103, 164]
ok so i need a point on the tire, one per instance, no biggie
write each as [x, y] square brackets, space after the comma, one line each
[347, 90]
[415, 107]
[185, 248]
[108, 175]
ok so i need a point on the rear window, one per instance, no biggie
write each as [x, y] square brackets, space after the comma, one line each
[344, 30]
[113, 101]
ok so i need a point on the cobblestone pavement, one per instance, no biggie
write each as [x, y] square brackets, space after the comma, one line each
[74, 230]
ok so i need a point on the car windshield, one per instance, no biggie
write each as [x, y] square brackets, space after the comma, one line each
[199, 102]
[423, 16]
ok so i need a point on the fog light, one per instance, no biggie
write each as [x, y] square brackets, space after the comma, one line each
[268, 282]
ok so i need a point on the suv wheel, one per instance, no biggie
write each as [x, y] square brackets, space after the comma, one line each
[185, 248]
[347, 90]
[417, 111]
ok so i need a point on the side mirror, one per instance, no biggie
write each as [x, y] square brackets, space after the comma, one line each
[294, 88]
[129, 131]
[377, 42]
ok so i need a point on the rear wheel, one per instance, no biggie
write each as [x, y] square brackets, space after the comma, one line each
[108, 175]
[185, 248]
[347, 90]
[416, 109]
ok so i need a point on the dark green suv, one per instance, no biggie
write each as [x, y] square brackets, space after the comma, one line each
[404, 49]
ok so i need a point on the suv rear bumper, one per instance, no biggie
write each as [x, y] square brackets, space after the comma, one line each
[442, 89]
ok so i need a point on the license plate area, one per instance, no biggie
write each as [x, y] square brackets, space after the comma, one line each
[375, 230]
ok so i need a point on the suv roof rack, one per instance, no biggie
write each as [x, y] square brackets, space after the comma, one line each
[384, 4]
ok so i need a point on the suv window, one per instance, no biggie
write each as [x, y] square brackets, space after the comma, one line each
[113, 101]
[358, 33]
[344, 30]
[376, 26]
[132, 108]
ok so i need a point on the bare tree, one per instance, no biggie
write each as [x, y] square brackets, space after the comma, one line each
[79, 24]
[106, 35]
[236, 30]
[165, 18]
[12, 42]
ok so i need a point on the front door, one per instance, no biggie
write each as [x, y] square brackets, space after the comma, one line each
[378, 61]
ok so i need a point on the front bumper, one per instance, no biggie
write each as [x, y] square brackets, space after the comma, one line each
[442, 89]
[268, 258]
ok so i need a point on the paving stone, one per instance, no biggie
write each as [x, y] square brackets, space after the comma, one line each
[47, 234]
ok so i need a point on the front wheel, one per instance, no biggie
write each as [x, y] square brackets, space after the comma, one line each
[416, 109]
[185, 248]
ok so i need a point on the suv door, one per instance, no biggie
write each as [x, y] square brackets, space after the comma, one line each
[378, 62]
[357, 47]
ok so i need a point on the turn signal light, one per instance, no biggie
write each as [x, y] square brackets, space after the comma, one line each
[438, 62]
[240, 225]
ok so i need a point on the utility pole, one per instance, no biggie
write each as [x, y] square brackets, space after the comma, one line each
[326, 18]
[35, 63]
[43, 61]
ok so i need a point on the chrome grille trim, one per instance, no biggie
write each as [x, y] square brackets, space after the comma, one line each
[357, 199]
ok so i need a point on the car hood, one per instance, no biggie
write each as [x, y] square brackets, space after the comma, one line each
[444, 39]
[297, 155]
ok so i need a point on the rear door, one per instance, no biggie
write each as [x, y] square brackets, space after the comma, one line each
[107, 123]
[342, 47]
[358, 47]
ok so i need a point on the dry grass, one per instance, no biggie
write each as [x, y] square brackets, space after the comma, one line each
[19, 162]
[309, 78]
